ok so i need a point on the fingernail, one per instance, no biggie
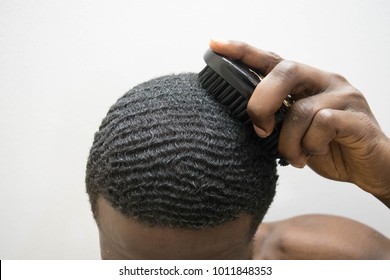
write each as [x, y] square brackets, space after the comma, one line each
[298, 164]
[260, 132]
[219, 41]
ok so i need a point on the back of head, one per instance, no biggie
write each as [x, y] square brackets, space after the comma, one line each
[169, 155]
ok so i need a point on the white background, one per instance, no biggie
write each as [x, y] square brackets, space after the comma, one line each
[281, 270]
[64, 63]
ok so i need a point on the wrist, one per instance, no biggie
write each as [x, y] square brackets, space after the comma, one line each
[383, 191]
[371, 172]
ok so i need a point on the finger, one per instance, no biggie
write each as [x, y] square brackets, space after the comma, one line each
[322, 131]
[299, 120]
[261, 60]
[330, 126]
[348, 128]
[287, 78]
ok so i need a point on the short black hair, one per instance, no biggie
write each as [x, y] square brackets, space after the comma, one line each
[167, 154]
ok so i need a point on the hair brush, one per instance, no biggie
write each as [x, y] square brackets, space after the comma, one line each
[232, 83]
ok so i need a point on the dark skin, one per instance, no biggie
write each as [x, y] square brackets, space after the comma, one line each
[330, 128]
[303, 237]
[320, 237]
[123, 238]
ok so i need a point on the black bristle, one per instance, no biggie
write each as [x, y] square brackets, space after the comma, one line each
[227, 90]
[236, 102]
[224, 93]
[240, 110]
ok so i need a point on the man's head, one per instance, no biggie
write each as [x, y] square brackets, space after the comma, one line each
[172, 175]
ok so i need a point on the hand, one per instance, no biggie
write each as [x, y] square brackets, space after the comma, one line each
[329, 127]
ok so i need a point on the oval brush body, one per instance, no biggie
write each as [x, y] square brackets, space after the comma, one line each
[232, 84]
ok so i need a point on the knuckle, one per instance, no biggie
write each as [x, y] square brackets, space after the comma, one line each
[299, 111]
[357, 96]
[356, 100]
[255, 110]
[339, 78]
[287, 69]
[323, 118]
[274, 56]
[273, 59]
[354, 93]
[243, 47]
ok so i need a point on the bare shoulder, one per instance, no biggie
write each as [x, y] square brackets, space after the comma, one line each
[319, 237]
